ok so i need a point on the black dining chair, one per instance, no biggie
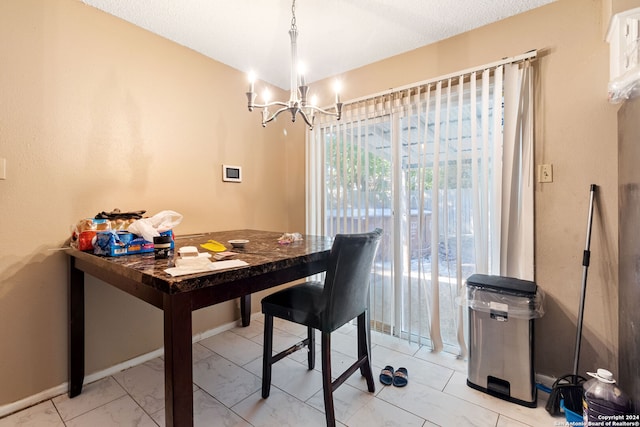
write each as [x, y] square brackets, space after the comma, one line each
[326, 307]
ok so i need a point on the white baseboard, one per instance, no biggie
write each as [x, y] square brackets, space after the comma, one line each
[545, 380]
[63, 388]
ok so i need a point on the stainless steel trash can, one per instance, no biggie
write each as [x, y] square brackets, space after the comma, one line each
[501, 315]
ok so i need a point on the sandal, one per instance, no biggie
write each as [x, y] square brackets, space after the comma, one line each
[401, 377]
[386, 376]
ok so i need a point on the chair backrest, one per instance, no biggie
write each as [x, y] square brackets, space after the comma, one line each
[346, 285]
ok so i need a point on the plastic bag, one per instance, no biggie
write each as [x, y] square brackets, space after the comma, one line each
[625, 86]
[150, 227]
[520, 307]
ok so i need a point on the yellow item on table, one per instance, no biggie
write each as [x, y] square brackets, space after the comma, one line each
[214, 246]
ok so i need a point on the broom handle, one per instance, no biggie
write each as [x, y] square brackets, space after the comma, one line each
[585, 266]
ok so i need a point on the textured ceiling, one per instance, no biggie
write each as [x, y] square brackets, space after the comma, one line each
[334, 35]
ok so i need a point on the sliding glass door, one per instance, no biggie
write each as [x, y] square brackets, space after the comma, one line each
[423, 165]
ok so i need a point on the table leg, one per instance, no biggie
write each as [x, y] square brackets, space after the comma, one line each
[76, 329]
[178, 368]
[245, 309]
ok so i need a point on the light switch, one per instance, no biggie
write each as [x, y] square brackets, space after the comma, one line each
[3, 168]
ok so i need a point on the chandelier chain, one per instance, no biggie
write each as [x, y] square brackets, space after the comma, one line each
[293, 15]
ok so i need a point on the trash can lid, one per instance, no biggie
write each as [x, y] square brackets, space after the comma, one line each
[502, 284]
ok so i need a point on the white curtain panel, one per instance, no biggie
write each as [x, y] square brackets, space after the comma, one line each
[445, 168]
[516, 249]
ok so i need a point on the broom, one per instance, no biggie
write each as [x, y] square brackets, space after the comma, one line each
[569, 387]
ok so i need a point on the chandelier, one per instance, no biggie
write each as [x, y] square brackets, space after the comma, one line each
[298, 102]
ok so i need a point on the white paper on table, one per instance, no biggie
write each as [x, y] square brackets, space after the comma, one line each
[218, 265]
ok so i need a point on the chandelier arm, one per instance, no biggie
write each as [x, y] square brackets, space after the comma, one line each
[266, 119]
[306, 119]
[337, 113]
[272, 104]
[320, 110]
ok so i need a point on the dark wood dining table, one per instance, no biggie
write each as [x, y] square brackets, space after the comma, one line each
[270, 263]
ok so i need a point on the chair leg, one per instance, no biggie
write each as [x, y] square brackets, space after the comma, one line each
[365, 350]
[327, 386]
[311, 357]
[361, 344]
[267, 355]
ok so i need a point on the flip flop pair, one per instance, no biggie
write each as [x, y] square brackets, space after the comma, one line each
[399, 378]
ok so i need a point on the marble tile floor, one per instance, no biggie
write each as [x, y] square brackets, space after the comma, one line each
[227, 369]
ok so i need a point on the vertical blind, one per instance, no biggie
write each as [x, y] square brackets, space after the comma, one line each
[444, 168]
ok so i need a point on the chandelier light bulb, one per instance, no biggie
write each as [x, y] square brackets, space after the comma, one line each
[252, 80]
[337, 87]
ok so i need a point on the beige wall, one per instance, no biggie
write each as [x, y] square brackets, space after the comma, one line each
[576, 132]
[97, 114]
[616, 6]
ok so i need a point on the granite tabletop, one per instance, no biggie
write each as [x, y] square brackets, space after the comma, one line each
[263, 254]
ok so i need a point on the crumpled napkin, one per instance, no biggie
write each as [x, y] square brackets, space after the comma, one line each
[202, 265]
[287, 238]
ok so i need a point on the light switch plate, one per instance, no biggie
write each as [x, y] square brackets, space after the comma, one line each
[545, 173]
[3, 168]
